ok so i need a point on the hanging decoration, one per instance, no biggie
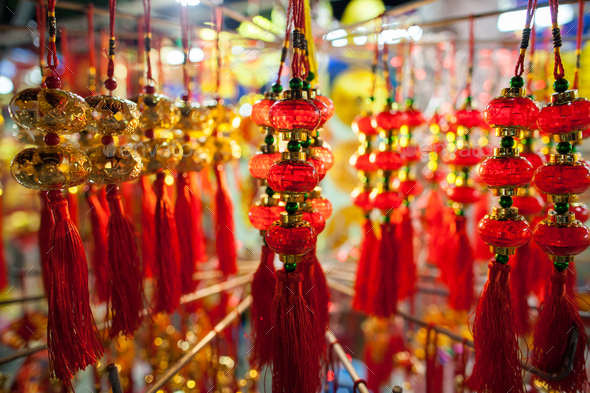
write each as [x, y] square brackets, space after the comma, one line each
[72, 338]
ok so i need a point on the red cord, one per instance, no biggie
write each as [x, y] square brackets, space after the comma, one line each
[52, 60]
[526, 33]
[111, 52]
[558, 71]
[218, 22]
[579, 42]
[471, 55]
[147, 7]
[532, 58]
[285, 49]
[185, 46]
[91, 43]
[41, 19]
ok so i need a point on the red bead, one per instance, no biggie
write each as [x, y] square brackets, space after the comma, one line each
[504, 233]
[386, 200]
[149, 133]
[363, 163]
[261, 112]
[111, 84]
[562, 179]
[468, 118]
[528, 205]
[387, 160]
[107, 140]
[520, 112]
[53, 82]
[464, 195]
[536, 159]
[553, 240]
[580, 210]
[389, 120]
[362, 199]
[316, 219]
[506, 171]
[414, 118]
[323, 111]
[468, 156]
[565, 118]
[410, 154]
[319, 165]
[149, 89]
[408, 187]
[262, 217]
[293, 240]
[362, 124]
[327, 101]
[322, 205]
[294, 114]
[51, 139]
[292, 176]
[324, 153]
[259, 164]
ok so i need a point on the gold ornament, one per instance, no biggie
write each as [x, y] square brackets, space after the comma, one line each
[114, 115]
[50, 167]
[113, 164]
[194, 120]
[159, 154]
[50, 110]
[157, 111]
[222, 149]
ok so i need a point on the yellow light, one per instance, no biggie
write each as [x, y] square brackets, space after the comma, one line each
[433, 155]
[73, 190]
[483, 141]
[158, 341]
[403, 141]
[460, 130]
[432, 165]
[177, 379]
[459, 181]
[450, 137]
[190, 384]
[169, 181]
[207, 34]
[253, 373]
[404, 130]
[403, 176]
[545, 139]
[435, 129]
[451, 147]
[451, 178]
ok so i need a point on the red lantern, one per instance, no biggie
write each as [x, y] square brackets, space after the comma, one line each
[536, 159]
[556, 179]
[414, 118]
[297, 239]
[468, 118]
[327, 101]
[261, 112]
[362, 124]
[408, 187]
[319, 165]
[322, 205]
[562, 240]
[580, 210]
[506, 171]
[463, 194]
[506, 233]
[362, 199]
[316, 219]
[291, 114]
[389, 120]
[410, 154]
[466, 156]
[292, 176]
[260, 164]
[435, 176]
[566, 117]
[387, 160]
[528, 205]
[363, 163]
[324, 153]
[323, 111]
[385, 200]
[262, 217]
[517, 112]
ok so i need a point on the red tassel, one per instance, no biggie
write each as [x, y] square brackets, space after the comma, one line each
[102, 197]
[125, 270]
[519, 287]
[482, 250]
[434, 370]
[200, 247]
[148, 232]
[446, 244]
[433, 217]
[296, 364]
[73, 206]
[405, 240]
[360, 301]
[558, 317]
[461, 288]
[263, 292]
[317, 296]
[45, 224]
[3, 272]
[98, 258]
[167, 261]
[385, 274]
[380, 349]
[186, 218]
[72, 337]
[571, 282]
[496, 343]
[225, 242]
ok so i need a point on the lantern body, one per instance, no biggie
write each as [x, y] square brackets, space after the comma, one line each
[528, 205]
[410, 154]
[362, 199]
[385, 201]
[327, 101]
[435, 176]
[414, 118]
[562, 240]
[464, 195]
[319, 165]
[468, 118]
[323, 111]
[506, 233]
[581, 211]
[389, 120]
[260, 164]
[517, 112]
[409, 187]
[565, 118]
[534, 158]
[387, 160]
[362, 124]
[194, 158]
[465, 156]
[506, 171]
[322, 205]
[555, 179]
[294, 114]
[316, 220]
[261, 112]
[262, 217]
[298, 239]
[292, 176]
[159, 154]
[324, 153]
[363, 163]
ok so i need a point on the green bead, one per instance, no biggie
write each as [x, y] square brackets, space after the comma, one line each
[507, 142]
[293, 146]
[307, 143]
[505, 202]
[574, 150]
[310, 76]
[561, 85]
[517, 82]
[561, 208]
[503, 259]
[387, 219]
[269, 191]
[459, 212]
[291, 207]
[390, 100]
[306, 85]
[296, 83]
[564, 147]
[468, 100]
[372, 99]
[409, 102]
[269, 139]
[560, 266]
[277, 88]
[290, 267]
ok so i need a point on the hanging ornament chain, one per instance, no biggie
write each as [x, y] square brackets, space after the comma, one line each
[185, 46]
[41, 21]
[579, 43]
[529, 74]
[375, 61]
[385, 65]
[558, 71]
[147, 7]
[91, 50]
[110, 83]
[52, 60]
[298, 63]
[218, 23]
[470, 57]
[526, 35]
[285, 48]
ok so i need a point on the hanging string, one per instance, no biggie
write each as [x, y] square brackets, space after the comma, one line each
[558, 71]
[147, 7]
[310, 45]
[412, 80]
[385, 65]
[41, 30]
[52, 60]
[185, 46]
[529, 74]
[111, 53]
[140, 48]
[375, 60]
[579, 43]
[471, 55]
[218, 22]
[91, 50]
[297, 65]
[438, 69]
[286, 40]
[526, 35]
[453, 94]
